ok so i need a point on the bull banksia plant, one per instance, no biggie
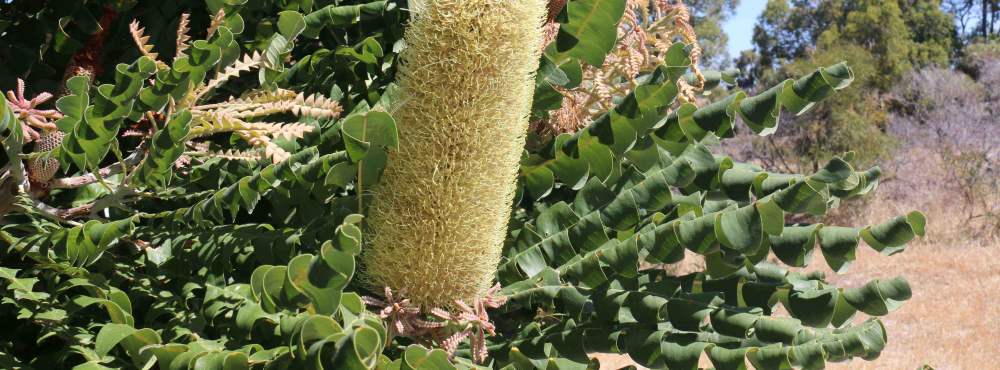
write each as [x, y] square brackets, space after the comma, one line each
[155, 249]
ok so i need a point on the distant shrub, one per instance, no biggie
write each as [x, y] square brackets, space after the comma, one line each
[954, 116]
[980, 57]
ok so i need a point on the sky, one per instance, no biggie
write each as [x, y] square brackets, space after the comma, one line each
[740, 26]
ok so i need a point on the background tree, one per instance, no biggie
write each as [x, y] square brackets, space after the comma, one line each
[899, 34]
[707, 17]
[884, 39]
[975, 20]
[932, 31]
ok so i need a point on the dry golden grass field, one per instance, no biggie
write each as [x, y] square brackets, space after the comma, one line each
[953, 319]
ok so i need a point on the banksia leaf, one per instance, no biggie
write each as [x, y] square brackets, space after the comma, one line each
[264, 96]
[248, 63]
[316, 106]
[141, 40]
[279, 130]
[238, 155]
[217, 21]
[262, 103]
[181, 42]
[215, 122]
[440, 213]
[260, 140]
[257, 134]
[165, 149]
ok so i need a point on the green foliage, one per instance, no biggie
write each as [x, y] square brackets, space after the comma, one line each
[589, 32]
[931, 30]
[889, 45]
[146, 254]
[94, 121]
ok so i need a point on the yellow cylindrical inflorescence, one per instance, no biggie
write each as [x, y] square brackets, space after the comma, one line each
[439, 215]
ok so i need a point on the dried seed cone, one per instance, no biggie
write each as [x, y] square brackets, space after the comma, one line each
[439, 215]
[41, 170]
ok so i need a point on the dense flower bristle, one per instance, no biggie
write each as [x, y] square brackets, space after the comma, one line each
[440, 213]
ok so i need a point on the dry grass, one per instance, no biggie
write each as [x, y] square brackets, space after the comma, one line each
[954, 274]
[954, 305]
[954, 315]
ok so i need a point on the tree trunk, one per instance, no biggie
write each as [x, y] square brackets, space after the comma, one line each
[982, 21]
[994, 6]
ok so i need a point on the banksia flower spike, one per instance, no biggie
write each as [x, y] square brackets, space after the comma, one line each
[440, 213]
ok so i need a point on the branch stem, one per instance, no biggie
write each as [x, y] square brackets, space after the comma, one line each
[90, 178]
